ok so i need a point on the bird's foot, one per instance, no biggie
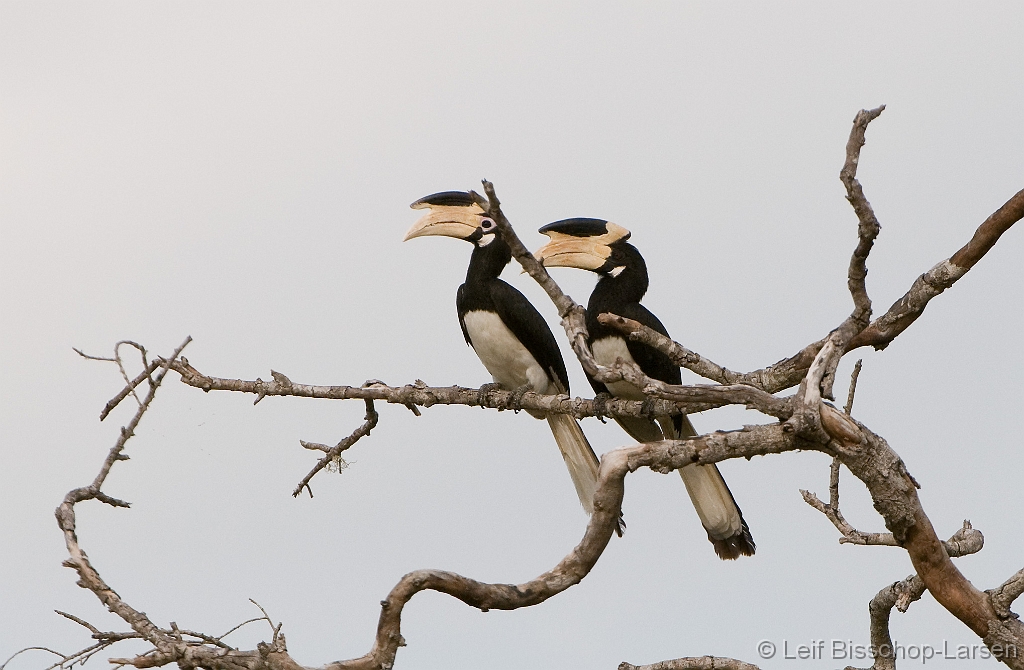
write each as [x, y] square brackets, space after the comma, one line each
[647, 407]
[515, 402]
[601, 406]
[620, 525]
[482, 392]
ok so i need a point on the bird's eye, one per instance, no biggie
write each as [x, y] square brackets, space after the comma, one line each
[617, 254]
[487, 224]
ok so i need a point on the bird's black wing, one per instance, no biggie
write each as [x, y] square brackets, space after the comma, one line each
[529, 327]
[654, 363]
[460, 305]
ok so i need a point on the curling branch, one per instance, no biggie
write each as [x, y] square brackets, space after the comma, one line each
[664, 457]
[89, 577]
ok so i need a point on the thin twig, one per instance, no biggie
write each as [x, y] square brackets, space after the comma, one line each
[853, 387]
[130, 388]
[78, 560]
[22, 651]
[334, 453]
[276, 629]
[833, 485]
[92, 629]
[120, 365]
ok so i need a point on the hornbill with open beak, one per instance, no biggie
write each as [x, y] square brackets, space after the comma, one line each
[601, 247]
[505, 330]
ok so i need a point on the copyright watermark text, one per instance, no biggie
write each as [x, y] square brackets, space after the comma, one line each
[848, 650]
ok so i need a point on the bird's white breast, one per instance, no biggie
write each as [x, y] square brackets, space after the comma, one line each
[504, 356]
[606, 351]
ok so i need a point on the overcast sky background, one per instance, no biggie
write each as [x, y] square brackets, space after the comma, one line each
[241, 172]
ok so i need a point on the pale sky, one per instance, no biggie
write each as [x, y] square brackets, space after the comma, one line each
[241, 173]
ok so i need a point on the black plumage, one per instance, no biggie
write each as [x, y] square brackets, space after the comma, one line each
[483, 290]
[602, 247]
[505, 330]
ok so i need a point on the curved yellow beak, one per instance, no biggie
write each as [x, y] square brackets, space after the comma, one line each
[565, 251]
[458, 222]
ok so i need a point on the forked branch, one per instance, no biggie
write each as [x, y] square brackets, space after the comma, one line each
[901, 594]
[806, 422]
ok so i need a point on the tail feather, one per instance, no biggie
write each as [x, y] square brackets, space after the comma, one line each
[579, 457]
[581, 460]
[714, 502]
[718, 511]
[731, 548]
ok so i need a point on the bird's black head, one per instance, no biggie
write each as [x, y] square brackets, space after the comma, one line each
[590, 244]
[599, 246]
[454, 214]
[458, 214]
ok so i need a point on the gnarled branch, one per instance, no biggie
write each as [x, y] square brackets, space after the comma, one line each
[807, 423]
[693, 663]
[901, 594]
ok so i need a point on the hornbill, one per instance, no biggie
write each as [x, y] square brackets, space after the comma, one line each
[601, 247]
[505, 330]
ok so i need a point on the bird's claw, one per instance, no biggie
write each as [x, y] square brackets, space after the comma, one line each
[601, 406]
[515, 401]
[482, 392]
[647, 407]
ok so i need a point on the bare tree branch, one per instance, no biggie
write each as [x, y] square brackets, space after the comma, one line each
[699, 398]
[788, 372]
[26, 649]
[806, 423]
[572, 314]
[88, 576]
[895, 497]
[1004, 595]
[905, 311]
[901, 594]
[694, 663]
[853, 386]
[772, 379]
[849, 534]
[664, 457]
[334, 453]
[129, 388]
[868, 227]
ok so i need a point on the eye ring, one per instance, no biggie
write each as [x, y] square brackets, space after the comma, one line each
[487, 224]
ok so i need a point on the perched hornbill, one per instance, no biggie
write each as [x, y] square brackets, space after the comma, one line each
[504, 329]
[601, 247]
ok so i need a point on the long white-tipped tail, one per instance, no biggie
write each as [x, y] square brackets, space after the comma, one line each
[718, 511]
[710, 495]
[716, 507]
[579, 457]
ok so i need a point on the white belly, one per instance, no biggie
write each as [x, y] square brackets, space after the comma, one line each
[504, 356]
[606, 351]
